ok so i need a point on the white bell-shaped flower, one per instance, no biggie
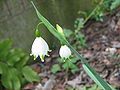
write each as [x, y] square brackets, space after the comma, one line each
[39, 48]
[65, 52]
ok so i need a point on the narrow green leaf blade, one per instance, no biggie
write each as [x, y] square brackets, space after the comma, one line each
[96, 77]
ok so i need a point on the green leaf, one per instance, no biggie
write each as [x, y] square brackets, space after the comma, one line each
[81, 38]
[3, 67]
[15, 56]
[70, 65]
[4, 48]
[55, 68]
[0, 69]
[73, 67]
[96, 77]
[10, 79]
[80, 23]
[23, 61]
[74, 59]
[93, 87]
[65, 65]
[68, 32]
[115, 4]
[6, 81]
[29, 74]
[6, 78]
[16, 84]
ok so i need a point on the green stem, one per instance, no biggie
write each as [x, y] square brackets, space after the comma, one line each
[90, 15]
[93, 11]
[37, 27]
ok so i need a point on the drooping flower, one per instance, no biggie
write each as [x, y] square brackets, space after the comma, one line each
[65, 52]
[39, 48]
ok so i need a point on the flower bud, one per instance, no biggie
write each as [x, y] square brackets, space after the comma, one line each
[37, 33]
[60, 30]
[65, 52]
[39, 48]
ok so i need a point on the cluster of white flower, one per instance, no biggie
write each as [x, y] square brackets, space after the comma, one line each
[40, 48]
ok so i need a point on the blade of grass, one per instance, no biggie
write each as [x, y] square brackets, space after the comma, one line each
[89, 70]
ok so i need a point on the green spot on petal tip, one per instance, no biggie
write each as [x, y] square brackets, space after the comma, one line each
[42, 58]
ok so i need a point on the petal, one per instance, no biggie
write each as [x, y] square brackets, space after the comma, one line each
[40, 46]
[42, 58]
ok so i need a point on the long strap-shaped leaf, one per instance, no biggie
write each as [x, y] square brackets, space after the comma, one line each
[89, 70]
